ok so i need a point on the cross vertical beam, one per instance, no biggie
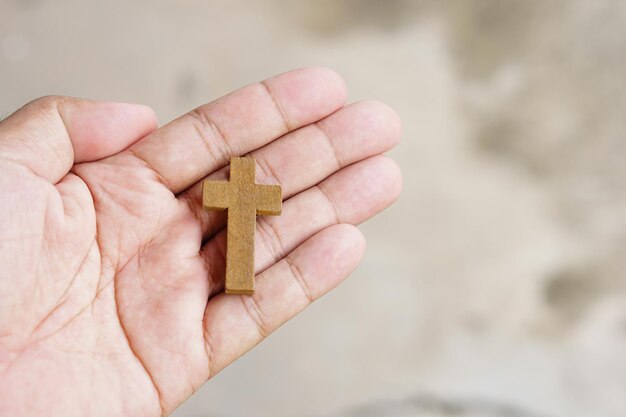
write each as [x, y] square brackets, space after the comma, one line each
[243, 199]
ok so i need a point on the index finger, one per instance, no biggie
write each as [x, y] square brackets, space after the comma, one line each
[203, 140]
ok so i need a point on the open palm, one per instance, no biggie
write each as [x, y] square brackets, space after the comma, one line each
[111, 272]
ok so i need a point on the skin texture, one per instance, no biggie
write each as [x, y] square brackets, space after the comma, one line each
[111, 273]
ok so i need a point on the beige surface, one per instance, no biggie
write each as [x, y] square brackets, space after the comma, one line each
[497, 285]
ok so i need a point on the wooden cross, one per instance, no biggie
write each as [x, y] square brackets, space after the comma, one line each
[243, 199]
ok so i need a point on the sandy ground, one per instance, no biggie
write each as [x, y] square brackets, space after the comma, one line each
[496, 286]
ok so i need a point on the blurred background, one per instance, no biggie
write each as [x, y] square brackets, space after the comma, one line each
[496, 286]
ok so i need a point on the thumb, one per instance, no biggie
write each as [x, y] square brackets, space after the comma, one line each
[51, 134]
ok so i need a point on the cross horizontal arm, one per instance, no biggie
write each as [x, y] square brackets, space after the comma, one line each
[268, 199]
[216, 195]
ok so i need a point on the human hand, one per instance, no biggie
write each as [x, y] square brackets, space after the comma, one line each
[111, 272]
